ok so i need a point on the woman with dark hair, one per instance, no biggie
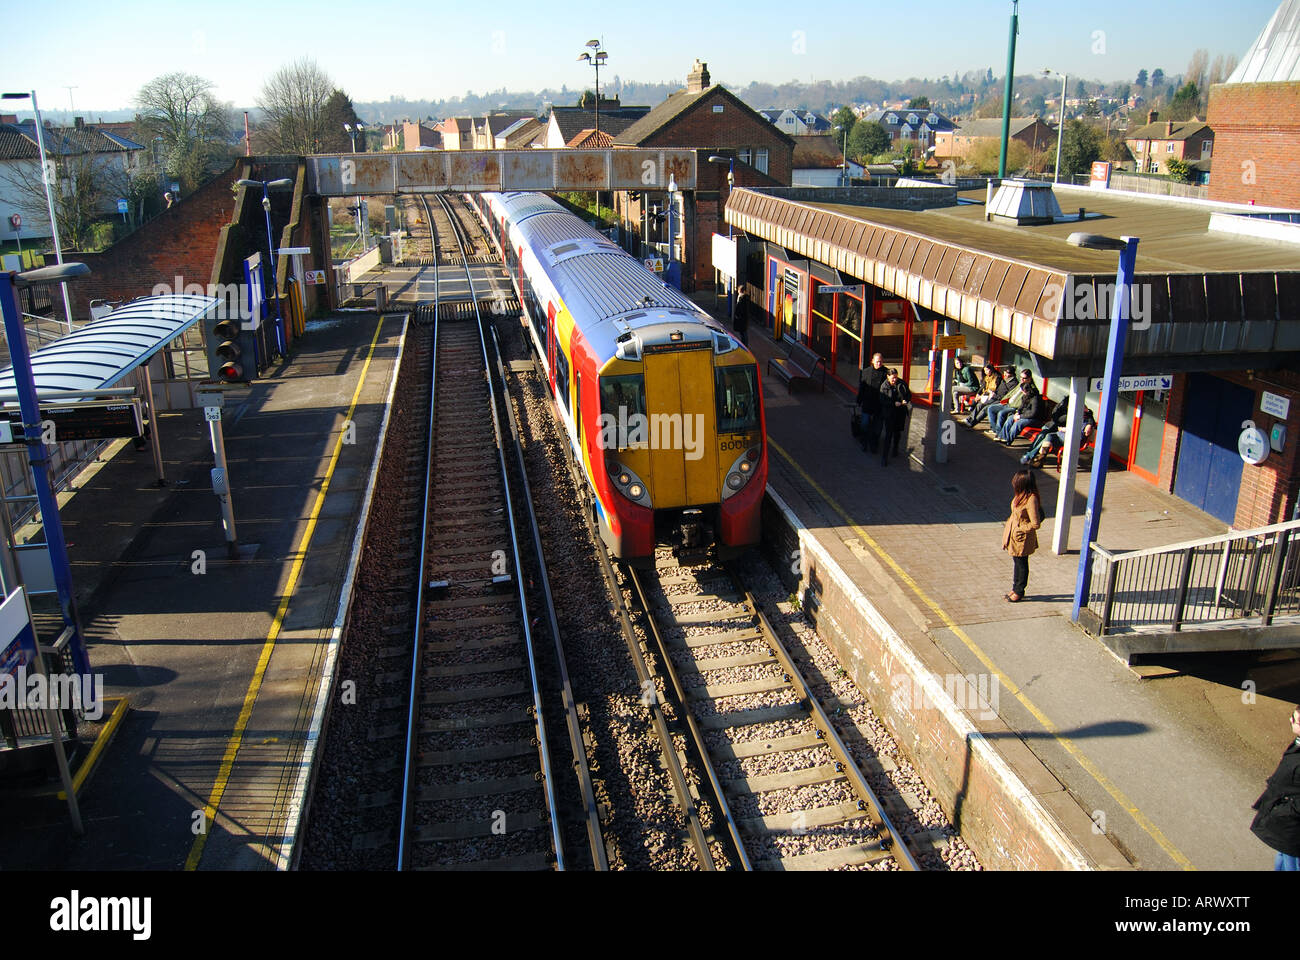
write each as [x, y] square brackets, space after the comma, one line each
[1018, 536]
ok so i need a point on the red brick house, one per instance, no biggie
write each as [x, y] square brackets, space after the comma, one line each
[1160, 141]
[715, 121]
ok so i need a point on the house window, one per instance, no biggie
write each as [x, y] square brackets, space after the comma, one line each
[932, 119]
[744, 154]
[1169, 147]
[1207, 147]
[760, 159]
[892, 119]
[911, 118]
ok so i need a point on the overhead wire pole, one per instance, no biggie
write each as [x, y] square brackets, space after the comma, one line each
[1010, 84]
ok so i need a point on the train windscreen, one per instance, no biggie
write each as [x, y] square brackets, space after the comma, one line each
[736, 392]
[622, 398]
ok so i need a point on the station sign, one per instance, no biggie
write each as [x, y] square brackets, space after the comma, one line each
[656, 264]
[1155, 381]
[17, 639]
[1274, 405]
[93, 420]
[857, 289]
[956, 341]
[315, 277]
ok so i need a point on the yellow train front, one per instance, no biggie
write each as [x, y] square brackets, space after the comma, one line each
[662, 406]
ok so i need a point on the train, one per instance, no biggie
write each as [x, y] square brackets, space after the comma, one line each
[662, 406]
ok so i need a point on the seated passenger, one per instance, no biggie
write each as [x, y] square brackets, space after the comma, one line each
[1005, 386]
[1052, 437]
[1031, 411]
[966, 381]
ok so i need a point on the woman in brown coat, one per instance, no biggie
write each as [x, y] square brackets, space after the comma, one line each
[1018, 536]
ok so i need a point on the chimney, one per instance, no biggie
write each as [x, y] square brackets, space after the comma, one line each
[1169, 128]
[79, 122]
[698, 79]
[1152, 116]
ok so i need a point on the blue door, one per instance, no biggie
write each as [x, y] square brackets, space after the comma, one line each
[1209, 466]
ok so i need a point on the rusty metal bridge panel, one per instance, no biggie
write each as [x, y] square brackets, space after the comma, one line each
[487, 171]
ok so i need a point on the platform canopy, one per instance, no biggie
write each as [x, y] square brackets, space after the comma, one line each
[101, 353]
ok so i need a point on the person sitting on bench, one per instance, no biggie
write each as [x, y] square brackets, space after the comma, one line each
[966, 381]
[1030, 412]
[1052, 437]
[1004, 387]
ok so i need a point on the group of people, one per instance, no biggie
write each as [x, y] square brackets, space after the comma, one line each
[1011, 404]
[884, 401]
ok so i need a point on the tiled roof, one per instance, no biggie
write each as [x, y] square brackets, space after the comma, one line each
[819, 152]
[677, 104]
[591, 140]
[571, 121]
[1158, 131]
[992, 126]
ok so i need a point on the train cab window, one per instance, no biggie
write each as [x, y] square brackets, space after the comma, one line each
[736, 392]
[622, 396]
[562, 378]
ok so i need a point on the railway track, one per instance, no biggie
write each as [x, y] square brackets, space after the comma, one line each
[479, 788]
[785, 785]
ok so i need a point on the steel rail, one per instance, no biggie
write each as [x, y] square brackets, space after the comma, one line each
[595, 838]
[543, 747]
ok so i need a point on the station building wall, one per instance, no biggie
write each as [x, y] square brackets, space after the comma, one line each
[1256, 143]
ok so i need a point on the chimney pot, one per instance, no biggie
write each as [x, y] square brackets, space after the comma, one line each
[79, 122]
[1169, 128]
[1153, 116]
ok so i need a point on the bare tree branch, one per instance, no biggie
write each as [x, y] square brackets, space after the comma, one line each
[293, 107]
[179, 110]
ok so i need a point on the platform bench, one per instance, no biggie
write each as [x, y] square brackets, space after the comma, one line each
[799, 363]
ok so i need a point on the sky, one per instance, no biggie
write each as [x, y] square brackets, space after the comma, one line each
[379, 48]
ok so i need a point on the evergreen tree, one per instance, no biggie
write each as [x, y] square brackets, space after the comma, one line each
[1142, 79]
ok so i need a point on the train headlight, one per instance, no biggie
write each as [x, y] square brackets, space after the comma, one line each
[624, 479]
[635, 491]
[742, 469]
[628, 483]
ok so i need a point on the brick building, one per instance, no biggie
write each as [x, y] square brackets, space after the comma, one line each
[1256, 116]
[1031, 131]
[916, 126]
[715, 121]
[1157, 142]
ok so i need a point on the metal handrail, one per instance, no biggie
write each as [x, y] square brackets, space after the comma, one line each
[1246, 577]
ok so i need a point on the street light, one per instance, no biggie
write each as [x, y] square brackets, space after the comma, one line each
[49, 195]
[672, 235]
[731, 185]
[596, 57]
[844, 153]
[266, 186]
[353, 131]
[1060, 125]
[1119, 318]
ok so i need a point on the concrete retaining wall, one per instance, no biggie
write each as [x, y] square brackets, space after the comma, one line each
[1011, 811]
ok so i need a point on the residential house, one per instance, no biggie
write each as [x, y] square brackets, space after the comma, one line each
[424, 135]
[487, 128]
[819, 162]
[710, 118]
[1031, 131]
[797, 123]
[114, 159]
[519, 135]
[457, 133]
[919, 127]
[1158, 142]
[566, 123]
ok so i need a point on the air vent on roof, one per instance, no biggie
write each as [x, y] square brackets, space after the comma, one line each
[1024, 202]
[564, 248]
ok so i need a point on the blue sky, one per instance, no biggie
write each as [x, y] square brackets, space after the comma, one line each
[378, 48]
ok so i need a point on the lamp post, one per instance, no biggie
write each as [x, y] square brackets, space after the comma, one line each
[1060, 126]
[673, 277]
[1119, 321]
[844, 155]
[353, 131]
[596, 56]
[1006, 93]
[46, 178]
[266, 186]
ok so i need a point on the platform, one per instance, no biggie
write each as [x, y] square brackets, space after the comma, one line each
[221, 667]
[1166, 758]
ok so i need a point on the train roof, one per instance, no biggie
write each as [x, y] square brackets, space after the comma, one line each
[608, 292]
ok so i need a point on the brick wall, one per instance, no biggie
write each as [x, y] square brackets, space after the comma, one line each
[1256, 137]
[180, 242]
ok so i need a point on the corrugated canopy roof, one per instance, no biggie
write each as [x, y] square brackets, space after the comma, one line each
[101, 353]
[1274, 57]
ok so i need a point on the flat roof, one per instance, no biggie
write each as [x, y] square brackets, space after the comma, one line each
[1174, 237]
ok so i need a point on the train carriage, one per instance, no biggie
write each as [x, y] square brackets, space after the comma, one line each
[661, 405]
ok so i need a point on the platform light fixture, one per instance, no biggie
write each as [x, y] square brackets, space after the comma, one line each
[353, 131]
[49, 195]
[596, 56]
[1119, 322]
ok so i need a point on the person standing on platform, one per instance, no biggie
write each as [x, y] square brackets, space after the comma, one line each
[740, 319]
[1278, 820]
[1018, 536]
[869, 402]
[895, 401]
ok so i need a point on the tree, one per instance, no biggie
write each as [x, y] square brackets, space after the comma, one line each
[844, 118]
[1080, 90]
[1197, 68]
[986, 155]
[867, 138]
[919, 103]
[293, 105]
[1080, 147]
[988, 108]
[1157, 78]
[1142, 79]
[1116, 150]
[179, 113]
[1178, 170]
[84, 185]
[338, 111]
[1185, 104]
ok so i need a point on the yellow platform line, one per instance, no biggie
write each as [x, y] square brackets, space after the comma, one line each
[101, 744]
[255, 685]
[1066, 743]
